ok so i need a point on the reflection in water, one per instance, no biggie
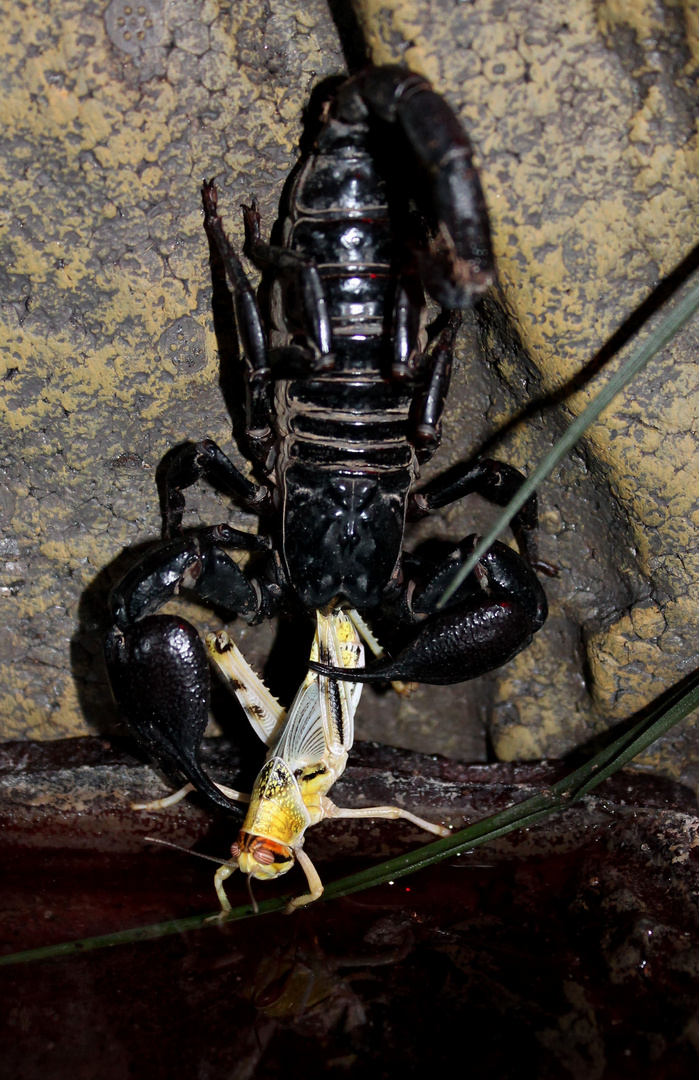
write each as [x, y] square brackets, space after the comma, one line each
[301, 985]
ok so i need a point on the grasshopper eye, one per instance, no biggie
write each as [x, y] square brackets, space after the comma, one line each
[235, 850]
[263, 856]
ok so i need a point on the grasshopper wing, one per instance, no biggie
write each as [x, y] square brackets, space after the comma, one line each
[320, 724]
[302, 741]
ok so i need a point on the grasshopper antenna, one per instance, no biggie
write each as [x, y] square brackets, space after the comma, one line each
[188, 851]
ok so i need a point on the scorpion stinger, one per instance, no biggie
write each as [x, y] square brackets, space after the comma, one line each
[344, 406]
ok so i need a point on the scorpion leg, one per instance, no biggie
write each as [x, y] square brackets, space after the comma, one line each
[459, 265]
[187, 465]
[428, 404]
[497, 482]
[301, 274]
[157, 664]
[491, 617]
[249, 322]
[407, 332]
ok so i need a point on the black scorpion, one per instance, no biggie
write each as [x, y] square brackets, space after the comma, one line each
[343, 407]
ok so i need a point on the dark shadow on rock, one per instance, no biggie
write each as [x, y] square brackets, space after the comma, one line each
[496, 323]
[350, 34]
[87, 645]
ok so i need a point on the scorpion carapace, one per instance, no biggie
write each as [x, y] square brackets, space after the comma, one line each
[344, 404]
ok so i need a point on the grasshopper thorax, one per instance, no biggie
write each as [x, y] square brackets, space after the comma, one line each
[260, 857]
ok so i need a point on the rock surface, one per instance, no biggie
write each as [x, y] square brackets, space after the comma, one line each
[584, 119]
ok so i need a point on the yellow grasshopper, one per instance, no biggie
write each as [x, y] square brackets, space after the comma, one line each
[308, 753]
[308, 750]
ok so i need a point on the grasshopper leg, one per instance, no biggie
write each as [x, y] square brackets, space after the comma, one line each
[392, 812]
[220, 876]
[168, 800]
[177, 796]
[313, 879]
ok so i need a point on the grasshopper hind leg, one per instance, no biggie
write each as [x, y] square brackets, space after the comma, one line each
[330, 810]
[168, 800]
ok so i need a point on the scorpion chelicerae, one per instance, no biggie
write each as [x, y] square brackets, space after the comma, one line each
[344, 403]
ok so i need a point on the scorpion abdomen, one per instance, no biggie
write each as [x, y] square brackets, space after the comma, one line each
[345, 469]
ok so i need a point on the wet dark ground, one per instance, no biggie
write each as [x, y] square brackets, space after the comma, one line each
[569, 950]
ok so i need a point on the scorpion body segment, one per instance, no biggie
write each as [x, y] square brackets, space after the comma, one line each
[344, 405]
[347, 309]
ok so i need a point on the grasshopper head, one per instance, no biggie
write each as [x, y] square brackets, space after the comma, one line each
[260, 857]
